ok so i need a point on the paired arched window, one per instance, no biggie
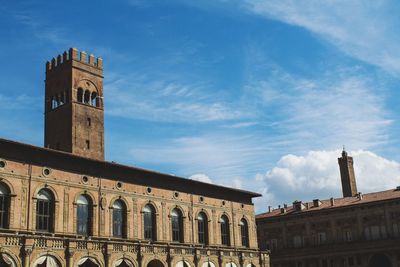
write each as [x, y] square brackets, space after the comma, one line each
[202, 228]
[4, 206]
[177, 225]
[244, 232]
[88, 98]
[45, 211]
[225, 235]
[119, 218]
[84, 215]
[149, 221]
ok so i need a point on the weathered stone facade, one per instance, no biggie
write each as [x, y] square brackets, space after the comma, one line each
[33, 234]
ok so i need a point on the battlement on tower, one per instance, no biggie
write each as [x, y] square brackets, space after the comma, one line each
[74, 55]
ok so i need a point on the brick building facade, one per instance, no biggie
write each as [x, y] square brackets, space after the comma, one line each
[63, 205]
[360, 230]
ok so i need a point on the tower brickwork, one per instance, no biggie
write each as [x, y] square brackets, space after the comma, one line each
[349, 186]
[74, 108]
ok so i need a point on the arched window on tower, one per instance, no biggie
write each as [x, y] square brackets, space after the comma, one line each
[86, 98]
[84, 215]
[45, 211]
[4, 206]
[225, 234]
[244, 232]
[177, 225]
[119, 218]
[149, 222]
[202, 228]
[93, 99]
[79, 96]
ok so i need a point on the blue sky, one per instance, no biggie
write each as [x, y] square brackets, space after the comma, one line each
[254, 94]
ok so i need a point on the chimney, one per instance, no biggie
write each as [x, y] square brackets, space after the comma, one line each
[349, 186]
[360, 196]
[332, 201]
[269, 209]
[283, 210]
[316, 203]
[298, 205]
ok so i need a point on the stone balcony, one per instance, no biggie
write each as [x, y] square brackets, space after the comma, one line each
[33, 250]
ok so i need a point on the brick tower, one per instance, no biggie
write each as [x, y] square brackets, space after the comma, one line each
[74, 108]
[349, 186]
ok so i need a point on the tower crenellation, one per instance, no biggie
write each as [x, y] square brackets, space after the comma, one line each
[74, 54]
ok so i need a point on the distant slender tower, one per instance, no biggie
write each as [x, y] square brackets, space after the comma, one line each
[349, 186]
[74, 110]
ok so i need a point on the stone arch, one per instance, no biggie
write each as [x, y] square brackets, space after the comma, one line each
[9, 258]
[84, 192]
[208, 263]
[182, 210]
[89, 261]
[51, 259]
[206, 212]
[115, 198]
[379, 260]
[230, 263]
[227, 215]
[182, 263]
[123, 261]
[155, 262]
[9, 185]
[150, 202]
[48, 187]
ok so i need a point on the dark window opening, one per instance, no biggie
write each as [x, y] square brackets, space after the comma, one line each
[89, 122]
[149, 219]
[80, 95]
[84, 215]
[44, 211]
[87, 144]
[202, 228]
[225, 235]
[177, 225]
[244, 231]
[4, 206]
[119, 219]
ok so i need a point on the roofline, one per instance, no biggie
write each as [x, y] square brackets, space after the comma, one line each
[57, 159]
[327, 209]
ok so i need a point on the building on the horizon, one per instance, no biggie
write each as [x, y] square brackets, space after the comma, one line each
[357, 230]
[63, 205]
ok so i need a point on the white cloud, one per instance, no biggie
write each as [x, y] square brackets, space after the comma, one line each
[201, 178]
[366, 31]
[316, 175]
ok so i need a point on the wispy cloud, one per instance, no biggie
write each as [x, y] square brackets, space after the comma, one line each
[140, 97]
[366, 31]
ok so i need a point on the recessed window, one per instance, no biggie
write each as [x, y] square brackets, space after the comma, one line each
[223, 203]
[89, 122]
[87, 144]
[176, 194]
[148, 190]
[149, 218]
[201, 199]
[2, 164]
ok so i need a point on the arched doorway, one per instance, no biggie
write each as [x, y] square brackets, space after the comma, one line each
[46, 261]
[88, 262]
[155, 263]
[379, 260]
